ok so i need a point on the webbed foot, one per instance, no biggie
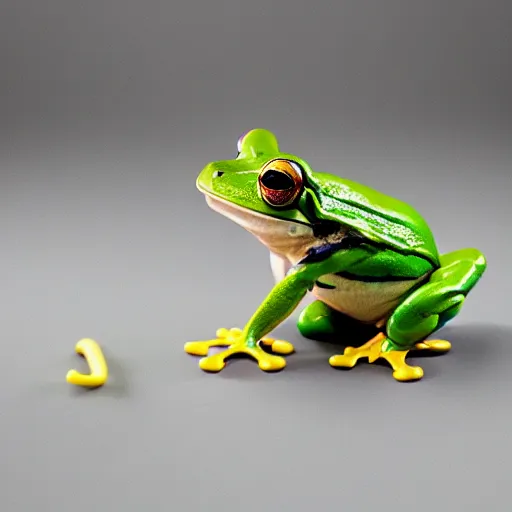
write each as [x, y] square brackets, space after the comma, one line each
[232, 338]
[376, 349]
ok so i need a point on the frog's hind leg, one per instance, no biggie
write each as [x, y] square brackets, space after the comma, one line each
[421, 314]
[437, 346]
[320, 322]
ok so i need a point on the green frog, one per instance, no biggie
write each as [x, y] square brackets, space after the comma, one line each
[370, 262]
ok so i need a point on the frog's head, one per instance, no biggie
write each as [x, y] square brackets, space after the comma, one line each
[259, 181]
[277, 195]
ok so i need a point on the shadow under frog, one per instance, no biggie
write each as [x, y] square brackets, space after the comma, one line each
[474, 359]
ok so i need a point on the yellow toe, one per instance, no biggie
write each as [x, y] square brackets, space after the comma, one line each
[196, 348]
[282, 347]
[222, 332]
[212, 364]
[408, 373]
[342, 361]
[439, 345]
[434, 345]
[271, 364]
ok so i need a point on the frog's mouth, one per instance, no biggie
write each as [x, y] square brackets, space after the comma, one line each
[293, 240]
[286, 238]
[242, 215]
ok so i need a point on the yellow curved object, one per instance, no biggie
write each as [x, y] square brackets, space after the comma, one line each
[93, 354]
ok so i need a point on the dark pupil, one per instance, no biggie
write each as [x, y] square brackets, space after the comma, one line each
[275, 180]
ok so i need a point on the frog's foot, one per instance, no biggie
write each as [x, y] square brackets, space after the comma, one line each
[231, 338]
[433, 346]
[376, 349]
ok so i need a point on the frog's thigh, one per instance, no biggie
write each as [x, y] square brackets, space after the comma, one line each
[430, 307]
[320, 322]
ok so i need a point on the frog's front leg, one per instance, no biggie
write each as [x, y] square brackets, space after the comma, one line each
[421, 314]
[279, 304]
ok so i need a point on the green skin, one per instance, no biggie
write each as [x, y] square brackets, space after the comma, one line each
[398, 247]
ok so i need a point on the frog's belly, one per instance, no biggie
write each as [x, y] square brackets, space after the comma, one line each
[364, 301]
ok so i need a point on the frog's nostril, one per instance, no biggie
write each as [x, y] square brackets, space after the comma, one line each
[218, 174]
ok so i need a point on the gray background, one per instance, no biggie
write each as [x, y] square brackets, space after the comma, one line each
[109, 109]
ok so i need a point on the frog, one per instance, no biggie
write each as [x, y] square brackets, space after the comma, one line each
[380, 287]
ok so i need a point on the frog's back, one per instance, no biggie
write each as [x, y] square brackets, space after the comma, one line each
[381, 218]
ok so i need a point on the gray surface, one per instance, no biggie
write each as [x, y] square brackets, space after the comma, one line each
[109, 111]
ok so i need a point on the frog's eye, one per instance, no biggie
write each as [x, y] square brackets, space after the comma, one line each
[280, 182]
